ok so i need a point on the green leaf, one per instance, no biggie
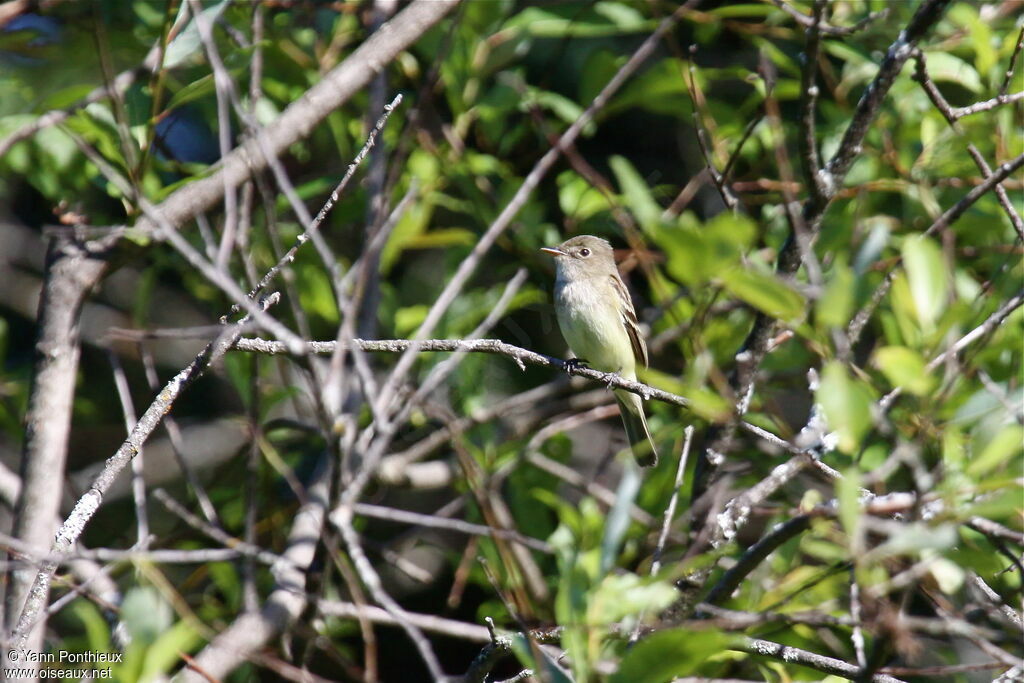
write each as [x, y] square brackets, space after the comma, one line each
[408, 318]
[848, 494]
[914, 538]
[905, 368]
[545, 23]
[578, 198]
[145, 615]
[1003, 446]
[847, 405]
[627, 595]
[618, 517]
[186, 43]
[928, 278]
[165, 653]
[836, 303]
[635, 192]
[942, 66]
[442, 237]
[764, 292]
[667, 654]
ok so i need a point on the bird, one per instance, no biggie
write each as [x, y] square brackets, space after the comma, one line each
[596, 316]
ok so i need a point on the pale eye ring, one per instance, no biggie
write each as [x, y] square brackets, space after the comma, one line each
[584, 252]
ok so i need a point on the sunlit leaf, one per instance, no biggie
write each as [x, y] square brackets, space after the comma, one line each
[847, 405]
[764, 292]
[670, 653]
[1006, 444]
[928, 278]
[905, 368]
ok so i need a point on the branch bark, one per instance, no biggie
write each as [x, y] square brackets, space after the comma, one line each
[71, 273]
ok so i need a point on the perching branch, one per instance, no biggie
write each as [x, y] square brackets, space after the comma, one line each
[521, 356]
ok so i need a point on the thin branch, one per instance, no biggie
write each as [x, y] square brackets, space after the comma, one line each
[808, 106]
[435, 522]
[426, 622]
[978, 107]
[124, 395]
[950, 215]
[670, 511]
[314, 224]
[794, 655]
[342, 519]
[754, 555]
[922, 77]
[521, 356]
[1011, 67]
[247, 634]
[218, 535]
[808, 21]
[927, 15]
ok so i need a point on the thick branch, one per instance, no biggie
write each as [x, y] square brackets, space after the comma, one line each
[71, 274]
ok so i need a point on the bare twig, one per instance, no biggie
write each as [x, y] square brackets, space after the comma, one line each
[247, 635]
[426, 622]
[814, 661]
[921, 76]
[978, 107]
[670, 511]
[1012, 66]
[808, 106]
[520, 355]
[809, 21]
[435, 522]
[731, 580]
[138, 480]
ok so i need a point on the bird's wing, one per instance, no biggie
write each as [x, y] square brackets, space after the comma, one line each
[629, 320]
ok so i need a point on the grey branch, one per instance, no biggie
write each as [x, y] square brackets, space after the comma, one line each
[71, 273]
[521, 356]
[426, 622]
[811, 660]
[251, 631]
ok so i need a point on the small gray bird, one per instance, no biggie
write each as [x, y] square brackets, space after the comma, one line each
[597, 319]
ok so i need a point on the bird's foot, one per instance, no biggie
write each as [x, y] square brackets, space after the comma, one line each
[574, 364]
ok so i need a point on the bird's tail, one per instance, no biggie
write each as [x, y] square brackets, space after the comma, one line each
[640, 441]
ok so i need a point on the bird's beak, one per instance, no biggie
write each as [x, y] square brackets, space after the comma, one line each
[553, 251]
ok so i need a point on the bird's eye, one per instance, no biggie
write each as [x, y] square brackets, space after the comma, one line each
[584, 252]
